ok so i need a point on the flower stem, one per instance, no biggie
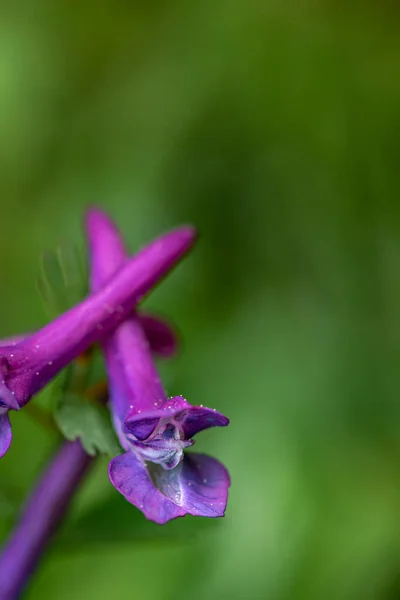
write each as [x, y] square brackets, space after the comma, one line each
[41, 517]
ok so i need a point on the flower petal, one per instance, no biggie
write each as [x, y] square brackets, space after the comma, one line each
[197, 486]
[5, 432]
[191, 419]
[159, 334]
[204, 484]
[130, 477]
[198, 418]
[133, 379]
[107, 250]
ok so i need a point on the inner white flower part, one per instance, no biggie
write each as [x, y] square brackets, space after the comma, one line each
[164, 447]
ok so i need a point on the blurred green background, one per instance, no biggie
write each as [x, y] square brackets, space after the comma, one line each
[274, 127]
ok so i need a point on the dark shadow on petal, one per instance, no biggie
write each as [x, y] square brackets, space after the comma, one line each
[142, 428]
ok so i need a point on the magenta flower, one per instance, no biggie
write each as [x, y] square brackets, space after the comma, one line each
[27, 365]
[154, 474]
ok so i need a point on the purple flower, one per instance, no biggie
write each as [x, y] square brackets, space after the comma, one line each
[27, 365]
[154, 474]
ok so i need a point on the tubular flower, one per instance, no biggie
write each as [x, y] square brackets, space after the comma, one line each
[28, 364]
[154, 474]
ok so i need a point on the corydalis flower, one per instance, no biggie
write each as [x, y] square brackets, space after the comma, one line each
[154, 474]
[27, 365]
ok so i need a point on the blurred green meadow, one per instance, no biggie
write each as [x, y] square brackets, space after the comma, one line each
[274, 127]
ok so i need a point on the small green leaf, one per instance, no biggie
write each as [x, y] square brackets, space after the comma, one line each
[89, 422]
[63, 279]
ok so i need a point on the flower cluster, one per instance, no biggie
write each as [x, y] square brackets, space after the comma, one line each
[154, 473]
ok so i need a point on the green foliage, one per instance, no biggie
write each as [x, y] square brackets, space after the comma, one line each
[89, 422]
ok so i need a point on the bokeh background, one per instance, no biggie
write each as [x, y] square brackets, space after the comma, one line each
[274, 128]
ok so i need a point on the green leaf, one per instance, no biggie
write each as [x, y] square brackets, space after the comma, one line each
[62, 281]
[80, 419]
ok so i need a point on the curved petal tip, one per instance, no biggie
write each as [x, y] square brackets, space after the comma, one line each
[159, 334]
[191, 419]
[5, 432]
